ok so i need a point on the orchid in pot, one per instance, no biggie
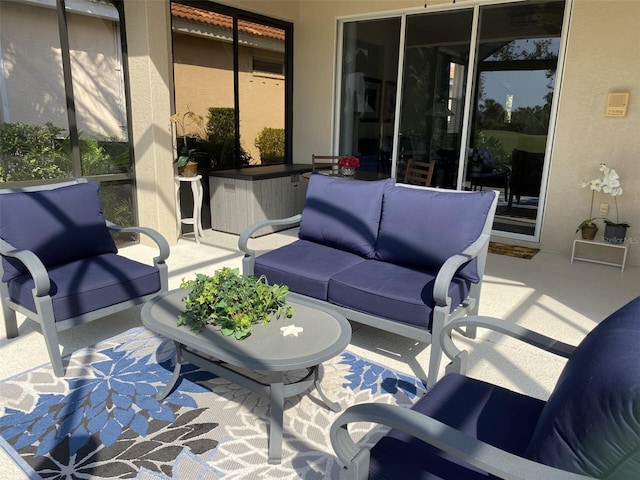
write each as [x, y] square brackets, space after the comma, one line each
[608, 183]
[614, 232]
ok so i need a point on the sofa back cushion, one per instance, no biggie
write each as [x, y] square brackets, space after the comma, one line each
[591, 422]
[423, 227]
[343, 214]
[58, 225]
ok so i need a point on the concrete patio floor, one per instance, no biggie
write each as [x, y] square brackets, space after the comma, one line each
[546, 293]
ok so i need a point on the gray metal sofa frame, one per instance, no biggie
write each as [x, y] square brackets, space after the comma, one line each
[42, 291]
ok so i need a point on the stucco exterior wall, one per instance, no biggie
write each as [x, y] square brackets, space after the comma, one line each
[603, 56]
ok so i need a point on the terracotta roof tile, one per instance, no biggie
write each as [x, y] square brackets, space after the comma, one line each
[211, 18]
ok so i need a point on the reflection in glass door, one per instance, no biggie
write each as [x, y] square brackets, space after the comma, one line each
[517, 58]
[436, 64]
[477, 85]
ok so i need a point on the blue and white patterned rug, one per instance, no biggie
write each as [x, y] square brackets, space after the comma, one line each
[102, 420]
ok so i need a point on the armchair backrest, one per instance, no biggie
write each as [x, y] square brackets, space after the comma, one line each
[591, 422]
[58, 224]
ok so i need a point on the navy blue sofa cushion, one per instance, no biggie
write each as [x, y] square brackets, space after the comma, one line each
[591, 422]
[343, 214]
[89, 284]
[448, 223]
[391, 291]
[305, 267]
[58, 225]
[481, 410]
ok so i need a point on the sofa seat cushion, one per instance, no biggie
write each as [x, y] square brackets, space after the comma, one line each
[591, 422]
[343, 214]
[58, 225]
[305, 267]
[90, 284]
[479, 409]
[448, 223]
[391, 291]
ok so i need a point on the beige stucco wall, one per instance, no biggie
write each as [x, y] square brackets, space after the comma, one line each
[602, 57]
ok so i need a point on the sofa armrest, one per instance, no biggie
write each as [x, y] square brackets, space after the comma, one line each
[451, 266]
[243, 241]
[473, 451]
[459, 357]
[160, 241]
[33, 265]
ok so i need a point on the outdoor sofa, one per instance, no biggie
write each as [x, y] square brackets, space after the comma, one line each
[403, 259]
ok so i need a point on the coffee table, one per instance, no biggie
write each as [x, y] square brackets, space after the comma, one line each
[325, 334]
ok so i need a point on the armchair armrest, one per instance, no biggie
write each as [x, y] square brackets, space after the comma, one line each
[33, 265]
[473, 451]
[243, 241]
[160, 241]
[459, 357]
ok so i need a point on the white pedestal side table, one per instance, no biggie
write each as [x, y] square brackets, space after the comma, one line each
[196, 219]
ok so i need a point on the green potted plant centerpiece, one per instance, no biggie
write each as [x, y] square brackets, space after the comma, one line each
[232, 302]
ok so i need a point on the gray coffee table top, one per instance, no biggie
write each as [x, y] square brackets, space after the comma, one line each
[325, 334]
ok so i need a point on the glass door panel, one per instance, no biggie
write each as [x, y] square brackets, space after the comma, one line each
[433, 93]
[516, 72]
[369, 74]
[34, 127]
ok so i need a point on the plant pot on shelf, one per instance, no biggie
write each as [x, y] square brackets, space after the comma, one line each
[589, 232]
[189, 170]
[615, 234]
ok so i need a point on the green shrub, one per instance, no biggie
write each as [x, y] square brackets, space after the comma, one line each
[32, 152]
[270, 142]
[221, 138]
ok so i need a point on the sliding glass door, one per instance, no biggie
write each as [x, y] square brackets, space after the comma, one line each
[477, 85]
[436, 63]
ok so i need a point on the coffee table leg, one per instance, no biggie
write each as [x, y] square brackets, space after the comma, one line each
[276, 405]
[174, 377]
[330, 404]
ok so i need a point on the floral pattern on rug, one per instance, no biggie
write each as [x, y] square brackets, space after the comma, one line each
[103, 421]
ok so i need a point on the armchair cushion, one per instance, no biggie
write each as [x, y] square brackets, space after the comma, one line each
[449, 223]
[89, 284]
[343, 214]
[59, 225]
[482, 410]
[591, 422]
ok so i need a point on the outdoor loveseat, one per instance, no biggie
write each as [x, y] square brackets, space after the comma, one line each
[403, 259]
[464, 428]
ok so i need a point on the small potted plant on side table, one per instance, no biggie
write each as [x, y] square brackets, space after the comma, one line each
[186, 163]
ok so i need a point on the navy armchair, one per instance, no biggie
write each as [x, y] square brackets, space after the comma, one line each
[59, 264]
[468, 429]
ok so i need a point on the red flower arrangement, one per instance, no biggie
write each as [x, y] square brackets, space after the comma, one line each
[349, 162]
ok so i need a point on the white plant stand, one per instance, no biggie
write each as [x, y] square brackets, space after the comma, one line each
[197, 191]
[623, 248]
